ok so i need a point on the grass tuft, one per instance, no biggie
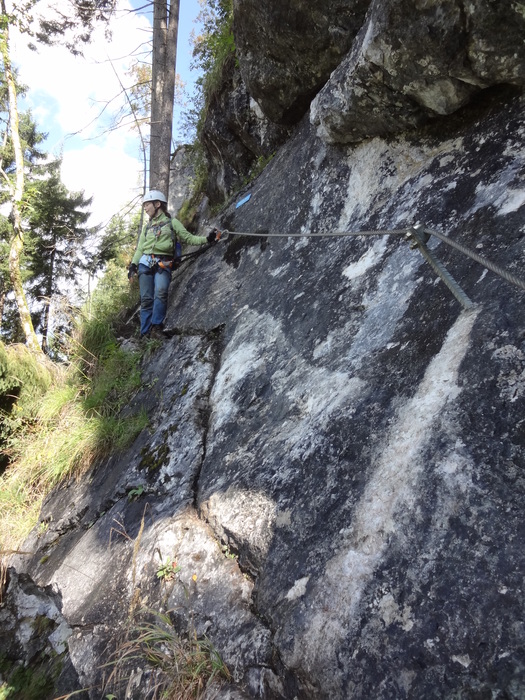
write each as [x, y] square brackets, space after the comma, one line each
[183, 666]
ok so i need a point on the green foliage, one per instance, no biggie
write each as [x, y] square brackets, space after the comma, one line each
[55, 431]
[71, 23]
[31, 139]
[55, 243]
[94, 338]
[55, 229]
[24, 378]
[215, 40]
[212, 48]
[168, 570]
[135, 493]
[215, 44]
[139, 94]
[119, 240]
[35, 682]
[259, 165]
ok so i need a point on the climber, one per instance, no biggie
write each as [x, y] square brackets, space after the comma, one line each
[153, 261]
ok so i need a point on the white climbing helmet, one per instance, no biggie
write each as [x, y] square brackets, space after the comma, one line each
[154, 196]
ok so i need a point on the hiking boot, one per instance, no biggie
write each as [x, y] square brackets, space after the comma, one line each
[156, 333]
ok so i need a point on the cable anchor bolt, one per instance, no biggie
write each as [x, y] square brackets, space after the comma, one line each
[418, 239]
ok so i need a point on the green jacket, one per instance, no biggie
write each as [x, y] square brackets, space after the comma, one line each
[156, 237]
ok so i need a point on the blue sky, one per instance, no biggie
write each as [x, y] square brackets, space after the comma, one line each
[67, 95]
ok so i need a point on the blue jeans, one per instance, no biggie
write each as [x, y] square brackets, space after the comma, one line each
[154, 283]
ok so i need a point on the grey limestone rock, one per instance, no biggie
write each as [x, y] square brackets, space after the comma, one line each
[414, 60]
[336, 447]
[287, 49]
[182, 174]
[235, 135]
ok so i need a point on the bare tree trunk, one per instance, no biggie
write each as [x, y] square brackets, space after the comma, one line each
[2, 304]
[17, 244]
[165, 31]
[47, 300]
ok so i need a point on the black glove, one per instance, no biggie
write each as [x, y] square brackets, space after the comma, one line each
[212, 236]
[132, 270]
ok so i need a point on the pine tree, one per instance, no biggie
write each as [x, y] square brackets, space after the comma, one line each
[56, 255]
[16, 187]
[74, 20]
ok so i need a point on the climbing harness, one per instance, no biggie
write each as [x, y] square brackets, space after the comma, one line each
[164, 262]
[418, 237]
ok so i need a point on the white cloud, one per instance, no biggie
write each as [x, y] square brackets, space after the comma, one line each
[67, 95]
[104, 172]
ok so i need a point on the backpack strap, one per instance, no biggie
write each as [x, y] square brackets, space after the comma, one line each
[177, 246]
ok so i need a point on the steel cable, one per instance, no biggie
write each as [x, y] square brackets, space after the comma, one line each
[466, 251]
[493, 267]
[478, 258]
[320, 234]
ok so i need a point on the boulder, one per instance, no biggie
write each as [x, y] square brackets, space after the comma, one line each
[414, 60]
[287, 49]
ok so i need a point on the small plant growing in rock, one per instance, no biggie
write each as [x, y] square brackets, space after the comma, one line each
[168, 570]
[135, 493]
[227, 552]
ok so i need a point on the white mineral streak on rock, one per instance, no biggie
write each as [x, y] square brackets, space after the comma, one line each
[462, 659]
[391, 613]
[513, 201]
[390, 493]
[499, 192]
[298, 589]
[245, 358]
[370, 258]
[316, 392]
[384, 306]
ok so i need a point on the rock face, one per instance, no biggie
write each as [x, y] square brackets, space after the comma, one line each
[336, 446]
[235, 135]
[400, 73]
[287, 49]
[182, 173]
[34, 639]
[374, 69]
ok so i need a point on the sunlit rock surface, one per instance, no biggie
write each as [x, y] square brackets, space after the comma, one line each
[336, 447]
[360, 69]
[35, 637]
[182, 173]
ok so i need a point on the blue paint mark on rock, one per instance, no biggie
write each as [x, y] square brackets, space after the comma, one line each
[242, 201]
